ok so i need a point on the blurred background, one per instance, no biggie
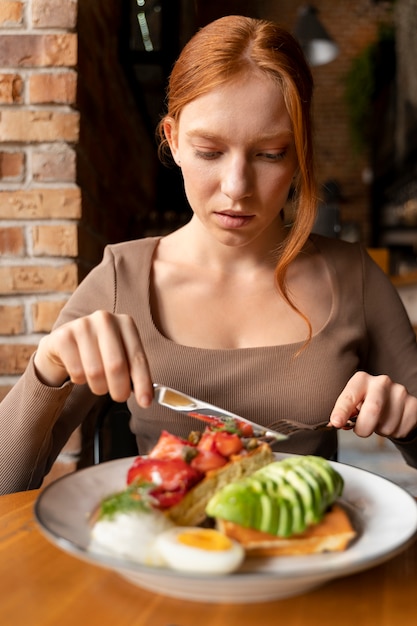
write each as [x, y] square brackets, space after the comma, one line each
[362, 56]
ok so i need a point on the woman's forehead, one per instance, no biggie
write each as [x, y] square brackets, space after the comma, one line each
[254, 101]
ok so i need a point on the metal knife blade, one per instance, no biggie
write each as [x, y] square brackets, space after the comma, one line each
[182, 402]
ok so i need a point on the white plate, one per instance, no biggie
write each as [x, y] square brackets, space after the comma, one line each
[385, 513]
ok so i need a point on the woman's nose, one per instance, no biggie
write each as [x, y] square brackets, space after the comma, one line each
[236, 179]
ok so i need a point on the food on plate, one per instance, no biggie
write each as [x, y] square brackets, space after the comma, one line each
[199, 550]
[333, 534]
[127, 525]
[260, 507]
[171, 487]
[186, 473]
[286, 507]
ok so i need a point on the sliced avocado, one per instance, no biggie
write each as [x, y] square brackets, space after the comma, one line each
[274, 513]
[288, 488]
[282, 498]
[236, 502]
[314, 513]
[335, 480]
[321, 477]
[285, 528]
[331, 483]
[305, 491]
[298, 517]
[268, 518]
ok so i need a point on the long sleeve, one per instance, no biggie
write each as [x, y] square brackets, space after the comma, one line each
[392, 343]
[36, 420]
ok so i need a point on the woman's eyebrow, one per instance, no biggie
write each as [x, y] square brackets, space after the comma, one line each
[202, 133]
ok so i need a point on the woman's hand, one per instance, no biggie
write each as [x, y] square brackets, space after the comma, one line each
[382, 406]
[103, 350]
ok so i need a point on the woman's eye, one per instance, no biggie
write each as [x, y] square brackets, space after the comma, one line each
[273, 156]
[207, 154]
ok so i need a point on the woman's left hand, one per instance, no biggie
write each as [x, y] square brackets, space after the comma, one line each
[381, 406]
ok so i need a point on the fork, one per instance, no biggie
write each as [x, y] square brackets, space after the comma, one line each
[289, 427]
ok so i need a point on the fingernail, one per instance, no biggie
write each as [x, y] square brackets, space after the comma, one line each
[145, 401]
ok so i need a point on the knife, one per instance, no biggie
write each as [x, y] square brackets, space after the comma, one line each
[203, 411]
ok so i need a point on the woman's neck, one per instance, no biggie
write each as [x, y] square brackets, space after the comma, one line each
[195, 245]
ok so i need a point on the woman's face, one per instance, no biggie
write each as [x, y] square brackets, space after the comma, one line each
[236, 150]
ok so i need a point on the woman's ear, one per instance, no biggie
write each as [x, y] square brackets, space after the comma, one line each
[171, 134]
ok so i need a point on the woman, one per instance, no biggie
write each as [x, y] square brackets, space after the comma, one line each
[234, 307]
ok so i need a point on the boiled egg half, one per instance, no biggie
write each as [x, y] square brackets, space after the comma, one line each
[131, 536]
[199, 550]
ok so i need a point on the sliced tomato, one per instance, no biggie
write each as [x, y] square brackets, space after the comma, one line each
[212, 420]
[207, 460]
[172, 478]
[170, 447]
[245, 430]
[220, 441]
[207, 441]
[227, 443]
[233, 424]
[167, 499]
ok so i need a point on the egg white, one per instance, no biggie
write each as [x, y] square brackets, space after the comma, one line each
[131, 536]
[186, 558]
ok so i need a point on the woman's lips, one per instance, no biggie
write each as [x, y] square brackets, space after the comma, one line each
[233, 220]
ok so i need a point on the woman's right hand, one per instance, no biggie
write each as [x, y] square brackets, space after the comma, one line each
[103, 350]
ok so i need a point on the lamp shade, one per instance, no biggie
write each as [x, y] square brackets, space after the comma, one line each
[319, 48]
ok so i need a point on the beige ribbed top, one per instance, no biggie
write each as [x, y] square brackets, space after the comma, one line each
[367, 329]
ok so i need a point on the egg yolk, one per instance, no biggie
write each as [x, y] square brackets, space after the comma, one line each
[205, 539]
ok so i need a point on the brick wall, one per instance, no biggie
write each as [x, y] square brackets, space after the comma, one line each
[40, 201]
[76, 165]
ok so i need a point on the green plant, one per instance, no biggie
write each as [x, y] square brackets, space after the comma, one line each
[369, 72]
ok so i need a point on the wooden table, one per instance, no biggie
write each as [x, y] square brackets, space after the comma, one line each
[43, 586]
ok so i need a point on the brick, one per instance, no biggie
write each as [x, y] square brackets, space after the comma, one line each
[12, 166]
[15, 357]
[12, 241]
[56, 163]
[11, 88]
[55, 240]
[53, 14]
[44, 314]
[40, 204]
[11, 13]
[57, 88]
[37, 126]
[38, 279]
[12, 320]
[38, 50]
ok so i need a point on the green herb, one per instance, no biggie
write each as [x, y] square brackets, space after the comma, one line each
[189, 453]
[136, 497]
[230, 425]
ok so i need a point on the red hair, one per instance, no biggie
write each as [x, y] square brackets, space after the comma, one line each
[233, 45]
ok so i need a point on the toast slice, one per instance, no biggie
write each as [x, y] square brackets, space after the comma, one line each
[333, 534]
[191, 511]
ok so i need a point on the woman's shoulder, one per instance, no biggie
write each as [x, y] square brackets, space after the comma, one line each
[338, 252]
[334, 246]
[352, 263]
[133, 247]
